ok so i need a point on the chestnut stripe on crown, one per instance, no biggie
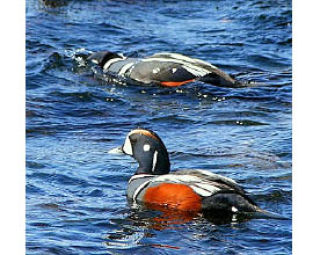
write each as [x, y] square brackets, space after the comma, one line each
[144, 132]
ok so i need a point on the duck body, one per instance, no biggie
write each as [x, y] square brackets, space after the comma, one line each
[164, 69]
[189, 190]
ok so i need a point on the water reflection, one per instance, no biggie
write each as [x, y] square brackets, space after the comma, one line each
[142, 224]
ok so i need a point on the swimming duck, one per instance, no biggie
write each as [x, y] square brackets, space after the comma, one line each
[164, 69]
[190, 190]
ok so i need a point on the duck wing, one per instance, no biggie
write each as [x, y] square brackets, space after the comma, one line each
[228, 196]
[202, 70]
[224, 183]
[204, 183]
[165, 73]
[176, 57]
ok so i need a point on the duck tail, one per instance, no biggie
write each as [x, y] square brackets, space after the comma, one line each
[263, 214]
[221, 79]
[248, 84]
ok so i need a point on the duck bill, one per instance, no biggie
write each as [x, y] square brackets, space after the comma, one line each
[117, 150]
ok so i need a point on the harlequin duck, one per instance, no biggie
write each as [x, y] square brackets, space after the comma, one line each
[164, 69]
[184, 190]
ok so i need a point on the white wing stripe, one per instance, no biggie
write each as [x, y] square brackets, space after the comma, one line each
[182, 57]
[206, 186]
[196, 70]
[199, 72]
[208, 173]
[176, 178]
[125, 68]
[201, 192]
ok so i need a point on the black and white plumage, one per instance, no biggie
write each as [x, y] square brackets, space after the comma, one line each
[165, 69]
[188, 189]
[217, 192]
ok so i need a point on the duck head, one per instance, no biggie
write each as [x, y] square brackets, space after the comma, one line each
[147, 148]
[102, 57]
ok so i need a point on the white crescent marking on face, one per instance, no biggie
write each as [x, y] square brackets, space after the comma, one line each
[127, 148]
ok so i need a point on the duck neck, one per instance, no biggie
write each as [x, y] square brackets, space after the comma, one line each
[157, 165]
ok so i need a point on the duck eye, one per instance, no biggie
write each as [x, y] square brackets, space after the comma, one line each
[133, 140]
[146, 147]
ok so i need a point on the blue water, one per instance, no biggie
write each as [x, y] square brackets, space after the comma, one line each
[76, 191]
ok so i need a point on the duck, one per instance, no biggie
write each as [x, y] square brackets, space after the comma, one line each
[185, 190]
[164, 69]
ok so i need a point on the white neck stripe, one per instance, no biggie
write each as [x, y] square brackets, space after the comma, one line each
[154, 162]
[110, 62]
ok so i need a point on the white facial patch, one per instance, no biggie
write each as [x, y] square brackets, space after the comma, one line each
[127, 148]
[174, 70]
[146, 147]
[234, 209]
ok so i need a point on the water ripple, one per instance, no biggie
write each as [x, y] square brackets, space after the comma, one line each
[76, 191]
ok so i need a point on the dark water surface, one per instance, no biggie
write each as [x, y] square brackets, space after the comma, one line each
[76, 191]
